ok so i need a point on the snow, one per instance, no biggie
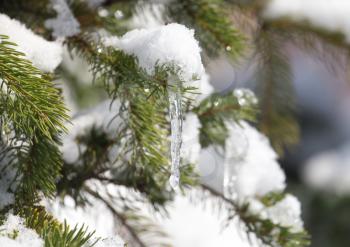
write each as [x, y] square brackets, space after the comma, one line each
[8, 242]
[190, 224]
[252, 171]
[103, 115]
[95, 216]
[172, 45]
[287, 212]
[251, 164]
[329, 171]
[65, 24]
[25, 237]
[190, 139]
[181, 234]
[202, 91]
[331, 15]
[45, 55]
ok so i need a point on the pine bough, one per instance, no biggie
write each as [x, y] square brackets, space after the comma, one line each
[159, 100]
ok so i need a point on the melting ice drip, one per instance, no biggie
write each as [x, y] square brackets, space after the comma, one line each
[176, 136]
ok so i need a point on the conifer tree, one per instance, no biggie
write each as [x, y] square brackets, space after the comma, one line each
[130, 152]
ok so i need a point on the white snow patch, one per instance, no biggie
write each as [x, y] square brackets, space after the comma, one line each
[95, 216]
[204, 222]
[25, 237]
[251, 164]
[101, 116]
[205, 228]
[287, 213]
[45, 55]
[252, 171]
[202, 91]
[171, 44]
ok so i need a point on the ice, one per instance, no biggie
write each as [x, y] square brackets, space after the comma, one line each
[175, 112]
[170, 45]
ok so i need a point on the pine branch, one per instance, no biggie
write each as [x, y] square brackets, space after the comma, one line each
[139, 228]
[95, 163]
[212, 22]
[329, 47]
[275, 92]
[31, 12]
[144, 100]
[214, 111]
[32, 117]
[32, 102]
[265, 230]
[53, 232]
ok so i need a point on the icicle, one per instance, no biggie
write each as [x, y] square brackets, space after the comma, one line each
[176, 136]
